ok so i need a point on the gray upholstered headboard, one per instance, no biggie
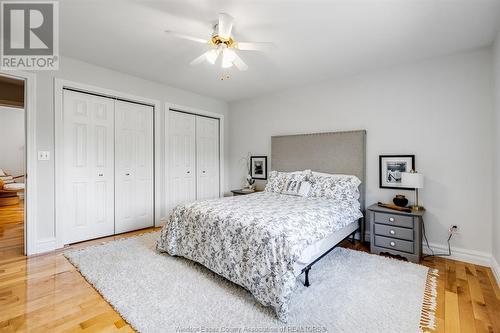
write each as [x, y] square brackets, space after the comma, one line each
[334, 152]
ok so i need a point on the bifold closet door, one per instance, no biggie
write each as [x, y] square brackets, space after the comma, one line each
[181, 172]
[207, 158]
[88, 168]
[133, 166]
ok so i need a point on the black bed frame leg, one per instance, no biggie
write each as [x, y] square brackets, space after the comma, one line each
[306, 269]
[353, 239]
[306, 282]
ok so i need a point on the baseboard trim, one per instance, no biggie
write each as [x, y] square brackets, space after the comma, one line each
[457, 253]
[495, 267]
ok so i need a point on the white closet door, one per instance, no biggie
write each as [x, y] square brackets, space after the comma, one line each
[207, 158]
[133, 166]
[88, 170]
[181, 171]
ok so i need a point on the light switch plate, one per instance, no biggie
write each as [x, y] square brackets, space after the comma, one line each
[43, 155]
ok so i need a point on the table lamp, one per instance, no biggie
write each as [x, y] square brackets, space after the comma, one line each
[413, 180]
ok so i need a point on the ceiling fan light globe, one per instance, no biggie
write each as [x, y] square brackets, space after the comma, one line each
[212, 56]
[230, 54]
[226, 63]
[228, 57]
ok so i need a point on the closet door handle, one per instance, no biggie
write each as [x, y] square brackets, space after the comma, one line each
[100, 174]
[203, 171]
[127, 174]
[188, 172]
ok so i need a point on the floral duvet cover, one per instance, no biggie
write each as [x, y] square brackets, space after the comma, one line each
[254, 240]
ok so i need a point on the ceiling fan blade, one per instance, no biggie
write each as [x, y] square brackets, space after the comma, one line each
[225, 25]
[188, 37]
[253, 46]
[240, 64]
[199, 59]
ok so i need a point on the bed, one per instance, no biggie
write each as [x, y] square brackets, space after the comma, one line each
[263, 241]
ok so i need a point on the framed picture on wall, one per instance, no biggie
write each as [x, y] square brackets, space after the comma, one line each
[258, 167]
[391, 167]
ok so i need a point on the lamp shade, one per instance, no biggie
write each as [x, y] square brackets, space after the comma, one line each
[412, 180]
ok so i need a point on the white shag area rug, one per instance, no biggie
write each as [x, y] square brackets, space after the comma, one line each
[350, 291]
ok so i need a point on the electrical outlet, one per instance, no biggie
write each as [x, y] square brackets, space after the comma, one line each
[43, 155]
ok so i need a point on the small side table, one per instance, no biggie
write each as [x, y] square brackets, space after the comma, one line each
[241, 192]
[396, 232]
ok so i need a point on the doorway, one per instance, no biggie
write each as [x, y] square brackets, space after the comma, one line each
[12, 166]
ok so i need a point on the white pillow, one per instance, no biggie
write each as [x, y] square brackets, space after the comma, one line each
[305, 189]
[298, 187]
[2, 173]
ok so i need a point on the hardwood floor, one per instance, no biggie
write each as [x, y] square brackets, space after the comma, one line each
[11, 230]
[46, 294]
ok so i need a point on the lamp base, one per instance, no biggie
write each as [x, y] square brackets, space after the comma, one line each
[417, 208]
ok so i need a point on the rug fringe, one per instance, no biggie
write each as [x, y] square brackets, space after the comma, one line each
[428, 315]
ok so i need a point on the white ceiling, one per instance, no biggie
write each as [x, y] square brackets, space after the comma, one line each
[315, 40]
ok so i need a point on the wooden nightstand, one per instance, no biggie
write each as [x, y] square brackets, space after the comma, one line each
[395, 232]
[241, 192]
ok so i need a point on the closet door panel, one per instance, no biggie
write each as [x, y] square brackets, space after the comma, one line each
[88, 170]
[207, 158]
[134, 166]
[181, 137]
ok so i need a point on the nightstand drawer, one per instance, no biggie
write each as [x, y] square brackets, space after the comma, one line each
[391, 231]
[394, 244]
[394, 219]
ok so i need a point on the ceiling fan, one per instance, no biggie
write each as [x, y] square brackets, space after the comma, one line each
[222, 43]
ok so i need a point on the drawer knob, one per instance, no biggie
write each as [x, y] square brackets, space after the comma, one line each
[392, 232]
[393, 244]
[391, 219]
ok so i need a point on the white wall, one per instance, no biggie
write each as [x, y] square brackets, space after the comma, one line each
[74, 70]
[12, 141]
[438, 109]
[496, 183]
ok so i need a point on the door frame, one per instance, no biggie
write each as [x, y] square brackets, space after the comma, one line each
[30, 203]
[196, 112]
[59, 86]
